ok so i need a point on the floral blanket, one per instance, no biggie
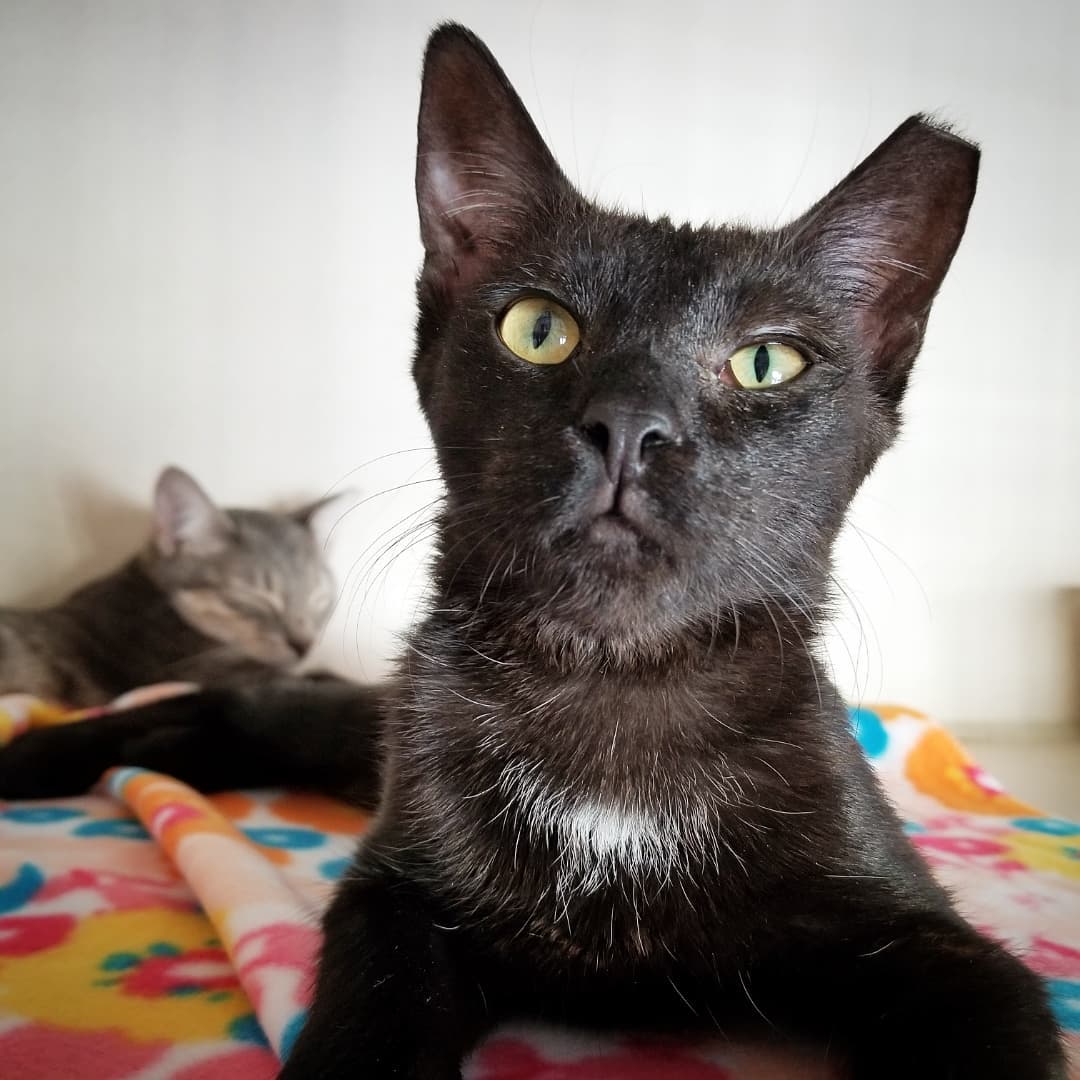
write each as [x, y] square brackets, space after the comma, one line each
[148, 933]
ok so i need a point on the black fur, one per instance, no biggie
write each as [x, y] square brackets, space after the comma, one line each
[618, 787]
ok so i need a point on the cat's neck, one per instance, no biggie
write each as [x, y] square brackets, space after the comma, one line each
[124, 593]
[717, 686]
[611, 770]
[778, 633]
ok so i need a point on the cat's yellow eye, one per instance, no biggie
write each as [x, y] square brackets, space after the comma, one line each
[539, 330]
[757, 367]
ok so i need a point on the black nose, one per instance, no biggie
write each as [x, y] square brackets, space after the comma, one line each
[626, 433]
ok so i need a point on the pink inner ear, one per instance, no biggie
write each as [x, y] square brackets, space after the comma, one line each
[440, 191]
[448, 238]
[884, 237]
[163, 541]
[185, 517]
[887, 340]
[482, 168]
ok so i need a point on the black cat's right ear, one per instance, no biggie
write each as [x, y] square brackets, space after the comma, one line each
[482, 168]
[883, 239]
[186, 521]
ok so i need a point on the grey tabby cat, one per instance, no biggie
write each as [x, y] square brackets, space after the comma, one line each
[217, 597]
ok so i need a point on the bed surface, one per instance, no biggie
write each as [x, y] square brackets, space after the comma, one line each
[149, 933]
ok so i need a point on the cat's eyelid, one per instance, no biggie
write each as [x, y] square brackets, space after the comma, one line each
[813, 351]
[256, 597]
[505, 300]
[773, 335]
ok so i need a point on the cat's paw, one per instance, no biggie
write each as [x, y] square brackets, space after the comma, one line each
[1016, 1049]
[49, 763]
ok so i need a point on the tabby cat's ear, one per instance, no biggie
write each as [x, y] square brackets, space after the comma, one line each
[308, 514]
[481, 169]
[885, 235]
[185, 519]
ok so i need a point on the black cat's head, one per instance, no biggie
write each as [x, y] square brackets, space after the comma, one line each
[644, 427]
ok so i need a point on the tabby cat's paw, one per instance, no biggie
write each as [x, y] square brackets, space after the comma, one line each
[48, 763]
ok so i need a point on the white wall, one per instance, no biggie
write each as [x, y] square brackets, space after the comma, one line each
[208, 242]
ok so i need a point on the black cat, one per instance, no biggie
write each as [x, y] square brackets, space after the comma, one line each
[617, 786]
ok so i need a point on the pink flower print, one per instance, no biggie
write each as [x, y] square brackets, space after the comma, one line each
[119, 892]
[251, 1063]
[281, 944]
[966, 846]
[1010, 866]
[983, 780]
[21, 935]
[1054, 959]
[196, 971]
[262, 954]
[1030, 900]
[44, 1052]
[165, 817]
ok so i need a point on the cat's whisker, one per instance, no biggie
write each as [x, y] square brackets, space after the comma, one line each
[769, 765]
[353, 507]
[491, 573]
[712, 716]
[429, 449]
[761, 572]
[823, 569]
[425, 508]
[390, 552]
[735, 618]
[863, 647]
[417, 530]
[384, 555]
[482, 526]
[394, 545]
[490, 659]
[378, 458]
[867, 538]
[397, 525]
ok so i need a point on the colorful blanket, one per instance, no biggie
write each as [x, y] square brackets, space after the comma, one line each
[148, 933]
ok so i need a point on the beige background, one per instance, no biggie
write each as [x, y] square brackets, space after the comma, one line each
[208, 243]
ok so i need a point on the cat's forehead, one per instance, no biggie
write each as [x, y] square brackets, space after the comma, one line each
[654, 274]
[271, 537]
[599, 245]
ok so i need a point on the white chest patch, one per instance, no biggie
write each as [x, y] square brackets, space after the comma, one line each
[598, 839]
[602, 833]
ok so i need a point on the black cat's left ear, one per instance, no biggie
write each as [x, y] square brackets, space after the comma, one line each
[884, 237]
[482, 169]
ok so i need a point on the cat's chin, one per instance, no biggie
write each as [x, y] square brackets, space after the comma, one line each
[617, 602]
[616, 538]
[607, 638]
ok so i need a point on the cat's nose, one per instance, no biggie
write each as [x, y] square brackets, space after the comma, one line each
[625, 434]
[299, 643]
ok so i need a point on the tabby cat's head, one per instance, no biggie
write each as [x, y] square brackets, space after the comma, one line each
[644, 427]
[247, 578]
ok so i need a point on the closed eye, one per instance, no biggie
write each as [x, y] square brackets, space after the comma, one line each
[256, 601]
